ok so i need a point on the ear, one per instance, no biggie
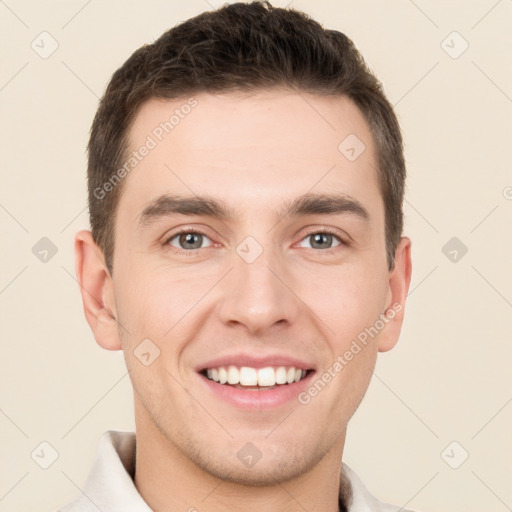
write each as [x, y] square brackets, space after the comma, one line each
[399, 280]
[97, 291]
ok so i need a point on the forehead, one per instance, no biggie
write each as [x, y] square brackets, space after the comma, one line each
[250, 149]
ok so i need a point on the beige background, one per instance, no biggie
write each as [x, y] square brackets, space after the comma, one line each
[449, 377]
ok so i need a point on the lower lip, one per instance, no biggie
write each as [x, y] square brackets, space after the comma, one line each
[255, 399]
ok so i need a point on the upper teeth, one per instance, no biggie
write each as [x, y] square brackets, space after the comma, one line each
[247, 376]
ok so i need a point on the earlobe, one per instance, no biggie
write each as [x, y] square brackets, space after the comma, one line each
[96, 288]
[399, 281]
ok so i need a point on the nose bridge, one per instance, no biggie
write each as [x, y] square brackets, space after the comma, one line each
[255, 294]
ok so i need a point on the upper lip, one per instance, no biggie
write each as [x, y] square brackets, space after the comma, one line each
[253, 361]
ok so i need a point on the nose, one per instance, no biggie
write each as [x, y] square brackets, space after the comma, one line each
[258, 295]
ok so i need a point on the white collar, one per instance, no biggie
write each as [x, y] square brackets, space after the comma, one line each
[110, 488]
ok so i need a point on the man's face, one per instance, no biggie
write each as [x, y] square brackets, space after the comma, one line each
[255, 288]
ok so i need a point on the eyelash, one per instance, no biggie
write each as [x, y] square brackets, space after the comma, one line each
[193, 252]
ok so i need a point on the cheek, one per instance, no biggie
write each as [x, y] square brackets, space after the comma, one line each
[154, 302]
[153, 309]
[350, 304]
[347, 300]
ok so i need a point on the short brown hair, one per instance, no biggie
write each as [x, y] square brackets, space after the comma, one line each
[241, 47]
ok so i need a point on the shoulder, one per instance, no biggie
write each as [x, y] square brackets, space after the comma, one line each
[109, 482]
[363, 500]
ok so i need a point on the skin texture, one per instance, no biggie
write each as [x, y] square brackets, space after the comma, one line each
[253, 152]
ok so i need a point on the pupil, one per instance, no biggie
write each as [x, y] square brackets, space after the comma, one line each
[321, 237]
[188, 238]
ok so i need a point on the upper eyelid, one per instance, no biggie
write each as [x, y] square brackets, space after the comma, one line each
[343, 240]
[199, 231]
[310, 232]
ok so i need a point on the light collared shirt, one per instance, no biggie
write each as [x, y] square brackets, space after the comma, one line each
[110, 487]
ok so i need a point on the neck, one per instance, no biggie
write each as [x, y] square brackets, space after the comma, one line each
[169, 481]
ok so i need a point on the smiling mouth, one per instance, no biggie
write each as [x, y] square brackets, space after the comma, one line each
[255, 379]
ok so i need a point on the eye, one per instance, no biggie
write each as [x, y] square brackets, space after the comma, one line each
[188, 240]
[322, 240]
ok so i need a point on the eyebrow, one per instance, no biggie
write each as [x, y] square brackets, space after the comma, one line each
[307, 204]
